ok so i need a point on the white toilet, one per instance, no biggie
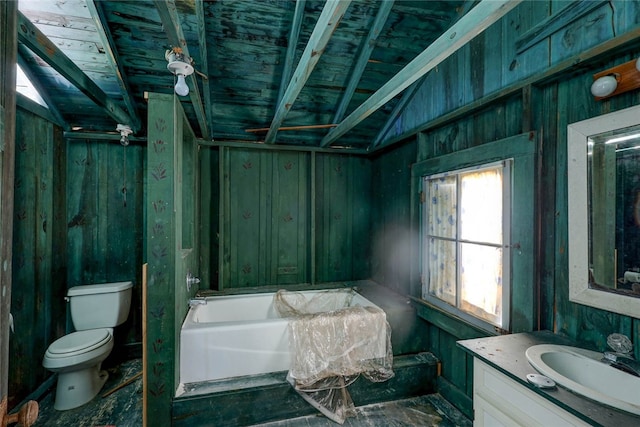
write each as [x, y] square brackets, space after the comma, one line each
[77, 357]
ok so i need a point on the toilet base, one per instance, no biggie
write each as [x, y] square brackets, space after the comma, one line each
[75, 388]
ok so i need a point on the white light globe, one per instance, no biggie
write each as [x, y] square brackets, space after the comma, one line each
[604, 86]
[181, 87]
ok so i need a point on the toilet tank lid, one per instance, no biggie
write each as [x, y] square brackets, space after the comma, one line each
[101, 288]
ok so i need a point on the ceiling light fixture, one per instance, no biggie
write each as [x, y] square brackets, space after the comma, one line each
[125, 131]
[180, 66]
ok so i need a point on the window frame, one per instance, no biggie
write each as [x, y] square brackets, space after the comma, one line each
[425, 237]
[522, 149]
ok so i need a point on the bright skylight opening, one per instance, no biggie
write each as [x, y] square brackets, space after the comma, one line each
[24, 86]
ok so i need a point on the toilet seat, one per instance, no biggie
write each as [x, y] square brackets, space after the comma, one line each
[77, 343]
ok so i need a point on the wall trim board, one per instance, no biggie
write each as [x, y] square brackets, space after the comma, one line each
[516, 146]
[455, 326]
[275, 147]
[570, 65]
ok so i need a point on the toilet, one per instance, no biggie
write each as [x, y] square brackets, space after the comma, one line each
[78, 356]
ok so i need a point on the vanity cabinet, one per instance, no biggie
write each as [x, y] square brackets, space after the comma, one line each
[500, 401]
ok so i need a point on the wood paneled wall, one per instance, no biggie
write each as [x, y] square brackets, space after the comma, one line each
[478, 96]
[39, 286]
[104, 211]
[8, 57]
[291, 217]
[71, 227]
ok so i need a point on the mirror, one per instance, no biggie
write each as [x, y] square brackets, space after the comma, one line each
[604, 211]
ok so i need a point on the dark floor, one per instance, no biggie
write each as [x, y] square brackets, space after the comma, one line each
[423, 411]
[123, 408]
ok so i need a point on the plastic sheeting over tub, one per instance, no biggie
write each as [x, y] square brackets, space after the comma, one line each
[239, 335]
[332, 342]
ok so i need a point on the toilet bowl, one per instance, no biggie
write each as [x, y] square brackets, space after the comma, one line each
[77, 357]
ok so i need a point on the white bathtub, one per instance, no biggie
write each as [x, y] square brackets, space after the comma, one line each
[237, 335]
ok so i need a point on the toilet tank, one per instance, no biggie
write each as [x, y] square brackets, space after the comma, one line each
[104, 305]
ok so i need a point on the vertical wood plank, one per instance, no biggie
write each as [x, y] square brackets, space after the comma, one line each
[161, 232]
[8, 55]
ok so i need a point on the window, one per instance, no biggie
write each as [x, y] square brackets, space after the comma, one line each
[465, 232]
[460, 289]
[25, 87]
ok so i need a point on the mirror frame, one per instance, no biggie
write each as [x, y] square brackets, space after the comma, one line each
[578, 218]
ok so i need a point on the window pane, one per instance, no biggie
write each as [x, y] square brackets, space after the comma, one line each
[442, 270]
[481, 281]
[481, 206]
[442, 206]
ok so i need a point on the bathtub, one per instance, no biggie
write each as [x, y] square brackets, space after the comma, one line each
[237, 335]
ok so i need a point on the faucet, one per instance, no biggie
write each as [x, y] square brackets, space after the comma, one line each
[622, 362]
[197, 301]
[621, 357]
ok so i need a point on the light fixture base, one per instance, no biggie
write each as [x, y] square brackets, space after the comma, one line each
[179, 67]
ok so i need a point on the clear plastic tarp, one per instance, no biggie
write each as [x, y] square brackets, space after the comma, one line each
[333, 339]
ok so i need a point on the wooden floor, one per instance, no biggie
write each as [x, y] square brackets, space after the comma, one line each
[123, 408]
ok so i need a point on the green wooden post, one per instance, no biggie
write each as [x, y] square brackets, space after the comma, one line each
[8, 53]
[172, 224]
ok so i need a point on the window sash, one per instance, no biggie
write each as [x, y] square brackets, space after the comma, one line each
[446, 291]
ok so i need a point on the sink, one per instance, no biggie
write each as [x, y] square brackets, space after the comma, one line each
[582, 372]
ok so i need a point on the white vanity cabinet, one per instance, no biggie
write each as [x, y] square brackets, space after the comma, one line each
[500, 401]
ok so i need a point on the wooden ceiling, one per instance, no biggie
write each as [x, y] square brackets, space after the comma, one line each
[272, 71]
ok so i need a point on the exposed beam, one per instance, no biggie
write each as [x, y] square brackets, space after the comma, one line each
[99, 19]
[173, 29]
[400, 106]
[204, 61]
[363, 58]
[570, 13]
[34, 39]
[470, 25]
[291, 47]
[108, 136]
[23, 52]
[581, 62]
[330, 17]
[33, 107]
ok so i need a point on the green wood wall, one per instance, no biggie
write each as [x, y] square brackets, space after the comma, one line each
[8, 70]
[39, 280]
[172, 219]
[477, 96]
[105, 190]
[71, 227]
[291, 217]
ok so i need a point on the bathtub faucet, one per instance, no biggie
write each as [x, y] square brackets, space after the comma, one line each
[197, 301]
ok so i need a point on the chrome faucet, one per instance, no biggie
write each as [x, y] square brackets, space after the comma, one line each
[621, 357]
[622, 362]
[197, 301]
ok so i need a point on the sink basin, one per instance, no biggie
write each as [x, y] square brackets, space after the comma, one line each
[582, 372]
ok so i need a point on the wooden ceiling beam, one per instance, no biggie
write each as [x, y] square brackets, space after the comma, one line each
[397, 110]
[173, 29]
[204, 61]
[23, 54]
[470, 25]
[292, 44]
[330, 17]
[363, 58]
[100, 21]
[34, 39]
